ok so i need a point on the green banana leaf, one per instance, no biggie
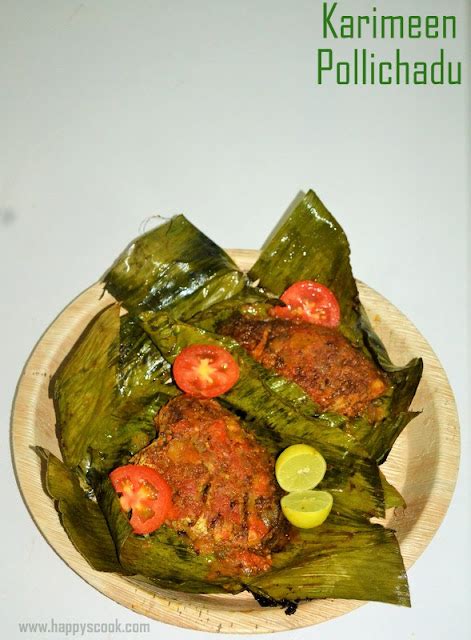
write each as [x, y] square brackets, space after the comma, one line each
[177, 285]
[339, 559]
[83, 388]
[309, 244]
[174, 265]
[380, 438]
[107, 393]
[141, 368]
[127, 381]
[80, 516]
[392, 497]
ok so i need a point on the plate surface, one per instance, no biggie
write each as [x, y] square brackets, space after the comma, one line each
[423, 466]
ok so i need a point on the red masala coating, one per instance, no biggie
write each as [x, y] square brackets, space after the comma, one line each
[336, 375]
[225, 497]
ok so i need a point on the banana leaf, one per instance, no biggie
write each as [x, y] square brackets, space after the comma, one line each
[127, 381]
[107, 393]
[309, 244]
[339, 559]
[174, 265]
[83, 387]
[80, 516]
[141, 368]
[392, 497]
[380, 438]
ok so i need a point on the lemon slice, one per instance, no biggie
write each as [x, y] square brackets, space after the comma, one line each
[306, 509]
[299, 467]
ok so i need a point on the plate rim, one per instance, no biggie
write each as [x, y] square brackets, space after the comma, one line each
[177, 609]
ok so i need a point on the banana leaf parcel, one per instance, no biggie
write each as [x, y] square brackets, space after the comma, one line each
[175, 286]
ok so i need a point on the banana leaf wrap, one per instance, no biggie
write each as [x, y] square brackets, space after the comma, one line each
[174, 265]
[342, 558]
[309, 244]
[91, 514]
[80, 516]
[177, 285]
[108, 390]
[126, 380]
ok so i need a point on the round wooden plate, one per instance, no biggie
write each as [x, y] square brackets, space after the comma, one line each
[423, 465]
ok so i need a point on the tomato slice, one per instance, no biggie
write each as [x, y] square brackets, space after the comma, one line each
[205, 370]
[310, 301]
[144, 494]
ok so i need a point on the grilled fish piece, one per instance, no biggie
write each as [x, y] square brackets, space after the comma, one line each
[336, 375]
[225, 497]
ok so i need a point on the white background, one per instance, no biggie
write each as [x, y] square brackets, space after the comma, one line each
[114, 111]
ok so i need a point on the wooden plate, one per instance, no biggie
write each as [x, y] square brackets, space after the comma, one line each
[423, 466]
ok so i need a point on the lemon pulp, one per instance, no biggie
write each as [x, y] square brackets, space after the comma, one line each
[299, 467]
[306, 509]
